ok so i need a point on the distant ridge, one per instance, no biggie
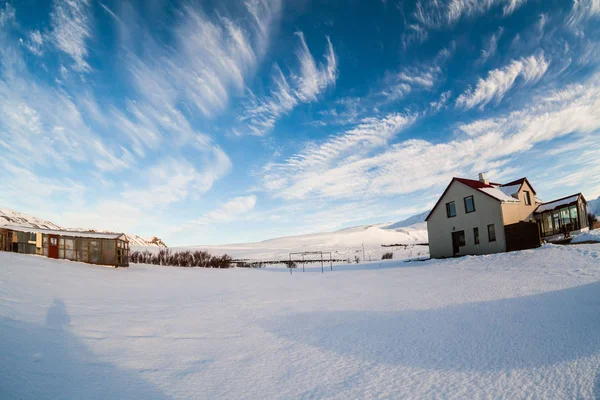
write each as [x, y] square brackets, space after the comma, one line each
[415, 219]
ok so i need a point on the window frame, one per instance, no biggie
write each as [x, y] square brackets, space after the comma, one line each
[448, 209]
[489, 235]
[527, 197]
[465, 204]
[476, 235]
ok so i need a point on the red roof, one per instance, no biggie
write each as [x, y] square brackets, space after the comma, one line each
[473, 183]
[469, 182]
[478, 185]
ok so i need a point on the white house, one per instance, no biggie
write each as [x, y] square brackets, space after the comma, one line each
[481, 217]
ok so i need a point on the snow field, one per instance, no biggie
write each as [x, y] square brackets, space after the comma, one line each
[514, 325]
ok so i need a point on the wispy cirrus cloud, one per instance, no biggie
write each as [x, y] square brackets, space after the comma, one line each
[500, 81]
[293, 178]
[435, 13]
[173, 180]
[211, 58]
[70, 20]
[491, 46]
[398, 85]
[414, 165]
[34, 43]
[260, 114]
[7, 14]
[583, 10]
[313, 79]
[230, 210]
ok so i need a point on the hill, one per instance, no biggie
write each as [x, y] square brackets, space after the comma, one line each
[346, 244]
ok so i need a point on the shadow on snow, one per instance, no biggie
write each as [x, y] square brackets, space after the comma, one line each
[46, 361]
[523, 332]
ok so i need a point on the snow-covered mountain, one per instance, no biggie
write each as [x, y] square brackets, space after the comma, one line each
[594, 207]
[415, 219]
[11, 217]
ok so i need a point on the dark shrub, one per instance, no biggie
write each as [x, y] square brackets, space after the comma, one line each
[387, 256]
[181, 259]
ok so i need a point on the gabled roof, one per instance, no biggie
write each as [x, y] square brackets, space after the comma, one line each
[518, 183]
[491, 190]
[558, 203]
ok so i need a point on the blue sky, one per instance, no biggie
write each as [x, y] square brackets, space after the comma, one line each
[219, 122]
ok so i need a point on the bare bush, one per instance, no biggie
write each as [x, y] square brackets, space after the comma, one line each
[387, 256]
[180, 259]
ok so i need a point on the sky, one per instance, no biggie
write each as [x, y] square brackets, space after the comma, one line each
[221, 122]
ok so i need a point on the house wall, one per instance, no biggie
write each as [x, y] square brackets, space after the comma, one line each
[487, 211]
[513, 212]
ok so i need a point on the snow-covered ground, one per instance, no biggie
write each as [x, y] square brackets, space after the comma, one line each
[513, 325]
[345, 244]
[588, 236]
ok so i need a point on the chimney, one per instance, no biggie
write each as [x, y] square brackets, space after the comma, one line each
[482, 178]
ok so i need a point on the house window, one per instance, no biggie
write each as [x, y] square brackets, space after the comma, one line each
[527, 197]
[451, 209]
[476, 235]
[491, 233]
[32, 237]
[469, 204]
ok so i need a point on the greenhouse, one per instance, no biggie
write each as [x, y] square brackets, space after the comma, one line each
[568, 214]
[110, 249]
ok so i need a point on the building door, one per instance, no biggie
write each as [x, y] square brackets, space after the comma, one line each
[557, 225]
[53, 246]
[458, 239]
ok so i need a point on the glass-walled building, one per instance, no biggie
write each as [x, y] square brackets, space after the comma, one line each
[91, 247]
[564, 215]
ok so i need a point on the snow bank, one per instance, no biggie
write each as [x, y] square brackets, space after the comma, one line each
[589, 236]
[515, 325]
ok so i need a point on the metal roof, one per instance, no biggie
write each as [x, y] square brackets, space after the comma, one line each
[81, 234]
[554, 204]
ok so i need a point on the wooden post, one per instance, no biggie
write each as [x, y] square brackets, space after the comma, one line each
[321, 262]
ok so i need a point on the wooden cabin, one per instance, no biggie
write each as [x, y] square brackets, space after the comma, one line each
[111, 249]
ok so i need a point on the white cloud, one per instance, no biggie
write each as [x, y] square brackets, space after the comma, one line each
[422, 76]
[7, 14]
[436, 106]
[173, 180]
[414, 33]
[313, 79]
[70, 21]
[500, 81]
[435, 13]
[294, 177]
[42, 126]
[491, 46]
[415, 165]
[583, 10]
[260, 114]
[230, 210]
[35, 43]
[209, 60]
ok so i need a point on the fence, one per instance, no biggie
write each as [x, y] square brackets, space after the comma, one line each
[522, 236]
